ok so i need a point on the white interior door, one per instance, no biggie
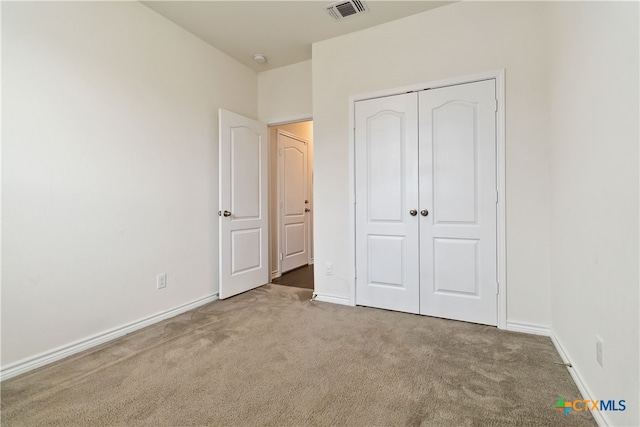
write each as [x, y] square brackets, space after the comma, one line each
[294, 201]
[386, 156]
[243, 215]
[458, 189]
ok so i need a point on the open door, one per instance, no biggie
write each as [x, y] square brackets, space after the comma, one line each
[243, 214]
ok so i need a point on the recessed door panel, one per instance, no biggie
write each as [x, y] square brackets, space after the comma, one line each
[245, 250]
[455, 266]
[389, 248]
[386, 154]
[245, 171]
[295, 241]
[294, 162]
[454, 162]
[385, 165]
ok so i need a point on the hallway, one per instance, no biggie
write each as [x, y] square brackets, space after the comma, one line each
[300, 278]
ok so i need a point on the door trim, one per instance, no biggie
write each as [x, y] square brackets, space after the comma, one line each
[501, 240]
[289, 119]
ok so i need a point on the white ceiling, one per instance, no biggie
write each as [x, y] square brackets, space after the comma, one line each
[281, 30]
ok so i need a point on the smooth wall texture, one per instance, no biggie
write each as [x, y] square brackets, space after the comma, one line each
[110, 168]
[594, 195]
[455, 40]
[284, 94]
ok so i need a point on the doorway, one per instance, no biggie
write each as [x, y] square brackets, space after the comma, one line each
[441, 272]
[425, 202]
[301, 277]
[291, 203]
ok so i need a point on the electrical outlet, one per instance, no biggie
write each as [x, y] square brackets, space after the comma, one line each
[599, 350]
[328, 269]
[161, 281]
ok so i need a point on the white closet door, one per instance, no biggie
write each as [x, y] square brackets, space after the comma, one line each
[458, 189]
[386, 156]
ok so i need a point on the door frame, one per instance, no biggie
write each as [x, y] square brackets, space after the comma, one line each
[501, 240]
[279, 121]
[279, 185]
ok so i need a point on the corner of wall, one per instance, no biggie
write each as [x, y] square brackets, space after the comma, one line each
[284, 94]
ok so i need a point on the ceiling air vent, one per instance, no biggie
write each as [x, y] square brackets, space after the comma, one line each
[344, 9]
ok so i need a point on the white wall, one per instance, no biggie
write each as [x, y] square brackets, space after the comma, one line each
[456, 40]
[284, 94]
[594, 195]
[109, 167]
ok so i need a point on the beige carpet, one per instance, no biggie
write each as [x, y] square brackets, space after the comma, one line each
[272, 357]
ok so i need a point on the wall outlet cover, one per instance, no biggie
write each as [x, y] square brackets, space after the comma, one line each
[599, 350]
[161, 281]
[328, 269]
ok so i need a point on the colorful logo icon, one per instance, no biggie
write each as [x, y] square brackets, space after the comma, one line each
[563, 406]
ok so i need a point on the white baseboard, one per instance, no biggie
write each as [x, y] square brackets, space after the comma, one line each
[599, 416]
[28, 364]
[529, 328]
[331, 298]
[275, 274]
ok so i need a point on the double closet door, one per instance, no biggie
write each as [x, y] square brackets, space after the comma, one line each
[425, 166]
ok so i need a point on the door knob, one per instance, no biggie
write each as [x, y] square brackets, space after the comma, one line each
[226, 213]
[424, 212]
[413, 212]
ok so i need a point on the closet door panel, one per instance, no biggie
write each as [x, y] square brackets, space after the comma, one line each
[455, 163]
[458, 189]
[386, 155]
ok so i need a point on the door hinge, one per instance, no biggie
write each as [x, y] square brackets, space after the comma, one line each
[496, 109]
[497, 288]
[497, 196]
[281, 256]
